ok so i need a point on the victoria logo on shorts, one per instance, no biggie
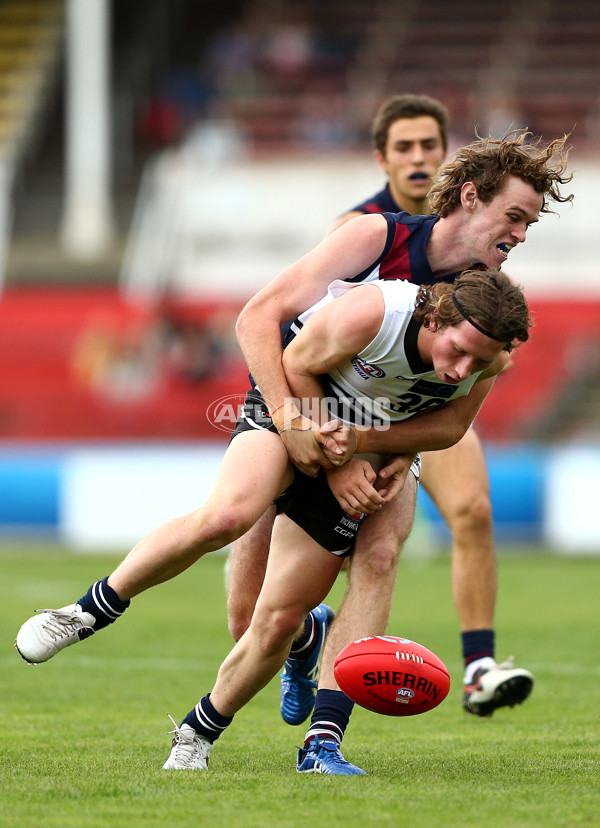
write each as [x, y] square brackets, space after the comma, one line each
[366, 370]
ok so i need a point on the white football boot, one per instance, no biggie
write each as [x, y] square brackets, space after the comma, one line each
[496, 685]
[190, 751]
[51, 630]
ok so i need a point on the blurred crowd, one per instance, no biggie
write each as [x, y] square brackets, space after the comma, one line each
[306, 75]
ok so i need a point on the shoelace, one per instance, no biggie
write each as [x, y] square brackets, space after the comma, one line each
[62, 623]
[185, 745]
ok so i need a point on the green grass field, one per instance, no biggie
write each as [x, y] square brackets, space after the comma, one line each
[84, 736]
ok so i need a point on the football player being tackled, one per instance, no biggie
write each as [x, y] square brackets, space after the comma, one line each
[440, 346]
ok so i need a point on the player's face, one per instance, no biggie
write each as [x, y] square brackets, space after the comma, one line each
[413, 153]
[461, 350]
[496, 227]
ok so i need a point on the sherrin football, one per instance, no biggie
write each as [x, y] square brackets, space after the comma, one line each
[390, 675]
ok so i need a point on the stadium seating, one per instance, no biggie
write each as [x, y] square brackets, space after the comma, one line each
[84, 364]
[543, 59]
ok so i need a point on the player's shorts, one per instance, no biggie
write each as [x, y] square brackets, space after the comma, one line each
[308, 501]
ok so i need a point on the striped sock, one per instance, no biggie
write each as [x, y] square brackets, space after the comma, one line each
[330, 717]
[477, 644]
[103, 603]
[207, 721]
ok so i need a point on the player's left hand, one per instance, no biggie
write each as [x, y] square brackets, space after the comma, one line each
[392, 477]
[352, 485]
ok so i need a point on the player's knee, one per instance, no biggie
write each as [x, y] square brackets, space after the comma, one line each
[238, 620]
[472, 515]
[225, 525]
[379, 561]
[277, 628]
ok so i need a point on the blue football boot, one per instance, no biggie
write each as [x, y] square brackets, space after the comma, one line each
[325, 757]
[300, 676]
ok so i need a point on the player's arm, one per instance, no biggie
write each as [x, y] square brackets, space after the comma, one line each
[339, 256]
[341, 220]
[432, 430]
[330, 338]
[440, 428]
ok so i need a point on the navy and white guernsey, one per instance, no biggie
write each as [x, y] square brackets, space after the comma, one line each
[387, 381]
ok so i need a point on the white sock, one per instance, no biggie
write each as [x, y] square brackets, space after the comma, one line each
[487, 663]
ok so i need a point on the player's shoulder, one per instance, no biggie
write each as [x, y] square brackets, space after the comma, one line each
[381, 202]
[414, 222]
[398, 294]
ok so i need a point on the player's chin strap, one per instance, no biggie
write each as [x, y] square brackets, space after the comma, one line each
[470, 319]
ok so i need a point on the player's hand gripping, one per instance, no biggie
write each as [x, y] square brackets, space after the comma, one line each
[352, 485]
[341, 441]
[392, 476]
[301, 439]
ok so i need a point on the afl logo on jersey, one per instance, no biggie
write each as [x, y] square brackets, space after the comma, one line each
[366, 370]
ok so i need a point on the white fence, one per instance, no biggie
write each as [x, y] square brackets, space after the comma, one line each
[227, 226]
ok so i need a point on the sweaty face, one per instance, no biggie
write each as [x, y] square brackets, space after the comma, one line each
[461, 350]
[413, 153]
[496, 227]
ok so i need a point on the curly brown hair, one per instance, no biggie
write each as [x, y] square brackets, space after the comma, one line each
[488, 298]
[488, 161]
[407, 106]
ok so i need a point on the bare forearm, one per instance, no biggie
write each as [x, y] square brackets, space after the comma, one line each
[431, 432]
[415, 435]
[302, 284]
[263, 356]
[308, 390]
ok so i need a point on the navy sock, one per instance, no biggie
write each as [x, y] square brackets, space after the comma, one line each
[477, 644]
[330, 717]
[207, 721]
[103, 603]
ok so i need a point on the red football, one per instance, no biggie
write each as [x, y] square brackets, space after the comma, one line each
[391, 675]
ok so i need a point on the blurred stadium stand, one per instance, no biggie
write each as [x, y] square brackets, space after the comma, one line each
[250, 86]
[30, 36]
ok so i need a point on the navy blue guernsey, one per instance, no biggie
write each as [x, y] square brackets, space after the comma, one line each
[404, 254]
[403, 257]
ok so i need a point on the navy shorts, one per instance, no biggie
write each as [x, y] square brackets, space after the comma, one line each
[308, 501]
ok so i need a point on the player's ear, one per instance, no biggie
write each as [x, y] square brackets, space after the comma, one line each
[468, 195]
[432, 323]
[380, 158]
